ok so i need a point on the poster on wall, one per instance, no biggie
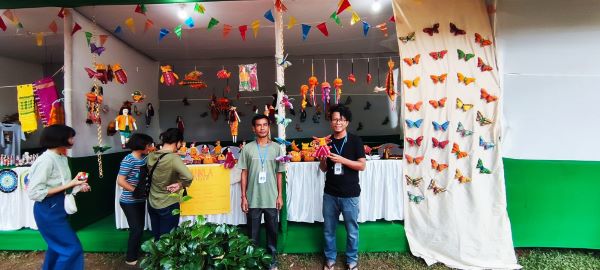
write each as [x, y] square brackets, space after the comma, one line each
[248, 78]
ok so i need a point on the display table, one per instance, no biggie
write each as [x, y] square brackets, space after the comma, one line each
[381, 194]
[16, 209]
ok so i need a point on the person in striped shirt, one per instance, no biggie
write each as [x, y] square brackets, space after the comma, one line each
[128, 178]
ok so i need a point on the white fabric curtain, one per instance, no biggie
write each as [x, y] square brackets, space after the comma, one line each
[466, 226]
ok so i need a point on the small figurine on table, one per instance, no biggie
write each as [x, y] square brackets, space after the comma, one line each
[234, 120]
[218, 148]
[180, 124]
[125, 124]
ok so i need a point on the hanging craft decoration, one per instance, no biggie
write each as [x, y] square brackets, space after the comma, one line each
[343, 6]
[286, 102]
[130, 24]
[483, 66]
[76, 28]
[325, 92]
[243, 29]
[137, 96]
[120, 74]
[292, 22]
[432, 30]
[389, 82]
[26, 108]
[383, 28]
[416, 161]
[269, 16]
[226, 30]
[192, 79]
[482, 41]
[351, 77]
[88, 37]
[199, 7]
[118, 29]
[3, 25]
[45, 95]
[163, 32]
[103, 39]
[95, 49]
[322, 149]
[141, 9]
[336, 18]
[463, 55]
[212, 23]
[487, 96]
[255, 25]
[168, 77]
[305, 30]
[8, 180]
[355, 18]
[57, 114]
[223, 74]
[125, 124]
[178, 30]
[366, 28]
[280, 6]
[284, 62]
[189, 22]
[323, 28]
[369, 76]
[94, 100]
[337, 84]
[303, 103]
[281, 120]
[248, 78]
[234, 121]
[53, 26]
[313, 82]
[410, 37]
[148, 24]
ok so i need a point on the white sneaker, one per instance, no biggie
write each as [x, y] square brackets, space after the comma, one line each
[131, 263]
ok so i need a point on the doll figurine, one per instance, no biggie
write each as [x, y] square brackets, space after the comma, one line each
[125, 124]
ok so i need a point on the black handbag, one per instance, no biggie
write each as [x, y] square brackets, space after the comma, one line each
[142, 190]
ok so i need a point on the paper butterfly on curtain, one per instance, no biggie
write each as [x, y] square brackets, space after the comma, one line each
[481, 168]
[437, 126]
[461, 178]
[413, 142]
[462, 131]
[414, 107]
[436, 189]
[487, 96]
[481, 41]
[412, 83]
[481, 65]
[455, 30]
[410, 37]
[438, 166]
[438, 103]
[321, 147]
[465, 56]
[439, 144]
[414, 124]
[415, 198]
[281, 120]
[431, 30]
[462, 106]
[463, 79]
[485, 145]
[439, 79]
[412, 61]
[413, 160]
[438, 55]
[413, 181]
[482, 120]
[456, 150]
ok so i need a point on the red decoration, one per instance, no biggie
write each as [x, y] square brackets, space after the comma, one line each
[2, 25]
[76, 28]
[345, 4]
[393, 19]
[323, 28]
[280, 6]
[62, 13]
[53, 26]
[243, 29]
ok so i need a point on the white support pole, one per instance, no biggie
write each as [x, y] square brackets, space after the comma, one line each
[68, 68]
[279, 70]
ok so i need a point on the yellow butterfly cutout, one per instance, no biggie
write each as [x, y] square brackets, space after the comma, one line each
[461, 178]
[463, 79]
[463, 106]
[412, 83]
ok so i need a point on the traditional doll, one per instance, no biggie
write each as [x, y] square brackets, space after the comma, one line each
[313, 82]
[149, 114]
[125, 124]
[180, 124]
[93, 103]
[234, 120]
[218, 148]
[322, 149]
[253, 78]
[229, 160]
[337, 84]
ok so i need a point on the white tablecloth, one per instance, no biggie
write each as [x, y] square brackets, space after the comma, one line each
[381, 194]
[16, 209]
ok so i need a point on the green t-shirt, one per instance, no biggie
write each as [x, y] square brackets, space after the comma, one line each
[261, 195]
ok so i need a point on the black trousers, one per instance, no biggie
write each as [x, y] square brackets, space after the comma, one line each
[271, 221]
[135, 214]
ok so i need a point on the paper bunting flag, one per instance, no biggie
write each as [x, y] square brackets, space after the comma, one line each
[255, 25]
[177, 31]
[3, 26]
[148, 25]
[9, 14]
[163, 33]
[323, 28]
[243, 29]
[343, 6]
[393, 19]
[39, 39]
[76, 28]
[189, 22]
[355, 18]
[269, 16]
[130, 24]
[141, 8]
[383, 28]
[199, 8]
[280, 6]
[118, 30]
[62, 12]
[305, 30]
[336, 18]
[53, 26]
[226, 30]
[103, 39]
[366, 27]
[88, 37]
[212, 23]
[292, 22]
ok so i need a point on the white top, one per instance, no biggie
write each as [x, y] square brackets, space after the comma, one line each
[48, 171]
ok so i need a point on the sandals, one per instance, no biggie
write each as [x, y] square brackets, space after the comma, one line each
[352, 267]
[329, 266]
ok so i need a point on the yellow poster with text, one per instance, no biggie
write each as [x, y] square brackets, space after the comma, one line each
[210, 191]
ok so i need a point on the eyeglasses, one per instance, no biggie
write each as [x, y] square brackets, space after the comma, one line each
[338, 120]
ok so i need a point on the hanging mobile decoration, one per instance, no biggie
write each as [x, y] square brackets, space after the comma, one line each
[351, 77]
[369, 77]
[303, 92]
[95, 110]
[234, 120]
[223, 74]
[337, 84]
[119, 74]
[325, 88]
[312, 82]
[389, 81]
[168, 77]
[378, 88]
[137, 96]
[192, 79]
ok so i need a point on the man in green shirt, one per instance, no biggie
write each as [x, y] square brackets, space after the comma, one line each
[261, 184]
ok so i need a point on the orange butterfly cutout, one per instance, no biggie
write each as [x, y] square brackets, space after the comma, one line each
[461, 178]
[414, 160]
[456, 150]
[414, 107]
[413, 142]
[412, 61]
[439, 79]
[463, 79]
[438, 103]
[487, 96]
[438, 166]
[412, 83]
[482, 42]
[482, 65]
[438, 55]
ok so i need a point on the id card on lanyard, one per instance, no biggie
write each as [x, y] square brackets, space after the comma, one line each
[262, 176]
[338, 168]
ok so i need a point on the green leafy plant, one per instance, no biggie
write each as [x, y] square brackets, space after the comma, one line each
[202, 245]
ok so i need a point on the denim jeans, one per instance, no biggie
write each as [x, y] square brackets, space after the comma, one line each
[332, 207]
[162, 220]
[136, 218]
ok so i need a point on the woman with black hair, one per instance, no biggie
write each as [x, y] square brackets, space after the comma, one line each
[170, 176]
[128, 179]
[49, 180]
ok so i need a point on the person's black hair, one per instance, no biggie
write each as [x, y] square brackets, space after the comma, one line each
[56, 136]
[258, 117]
[342, 110]
[172, 135]
[139, 141]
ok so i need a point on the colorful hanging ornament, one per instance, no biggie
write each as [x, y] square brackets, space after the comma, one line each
[45, 95]
[137, 96]
[189, 22]
[325, 93]
[120, 74]
[343, 6]
[118, 29]
[369, 77]
[226, 30]
[303, 103]
[163, 32]
[313, 82]
[57, 114]
[336, 18]
[255, 25]
[141, 9]
[100, 73]
[286, 102]
[223, 74]
[322, 149]
[96, 50]
[269, 16]
[234, 120]
[305, 30]
[199, 8]
[148, 24]
[280, 6]
[389, 81]
[125, 124]
[178, 30]
[53, 26]
[243, 29]
[26, 108]
[323, 28]
[212, 23]
[168, 77]
[351, 77]
[130, 24]
[292, 22]
[355, 18]
[76, 28]
[93, 103]
[192, 79]
[103, 39]
[337, 84]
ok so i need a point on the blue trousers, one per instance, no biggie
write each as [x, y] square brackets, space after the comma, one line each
[64, 249]
[332, 207]
[162, 220]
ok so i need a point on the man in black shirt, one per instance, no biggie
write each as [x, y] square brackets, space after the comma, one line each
[342, 189]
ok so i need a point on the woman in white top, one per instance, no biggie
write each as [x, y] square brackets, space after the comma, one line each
[49, 180]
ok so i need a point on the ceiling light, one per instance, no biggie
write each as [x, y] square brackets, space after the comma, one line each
[376, 6]
[182, 14]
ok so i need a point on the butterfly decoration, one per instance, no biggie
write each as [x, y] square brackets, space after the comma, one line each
[415, 198]
[456, 150]
[410, 37]
[481, 41]
[487, 96]
[462, 131]
[284, 159]
[455, 30]
[465, 56]
[438, 55]
[438, 166]
[413, 160]
[437, 126]
[433, 29]
[461, 178]
[481, 65]
[281, 120]
[481, 168]
[485, 145]
[413, 181]
[436, 189]
[413, 142]
[462, 106]
[284, 62]
[414, 106]
[100, 149]
[360, 126]
[299, 129]
[412, 61]
[412, 83]
[482, 120]
[439, 144]
[95, 49]
[386, 121]
[463, 79]
[439, 79]
[438, 103]
[282, 141]
[287, 102]
[367, 106]
[414, 124]
[378, 89]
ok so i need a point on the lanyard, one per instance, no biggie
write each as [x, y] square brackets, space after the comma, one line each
[262, 157]
[339, 151]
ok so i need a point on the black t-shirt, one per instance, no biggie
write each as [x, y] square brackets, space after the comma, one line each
[345, 185]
